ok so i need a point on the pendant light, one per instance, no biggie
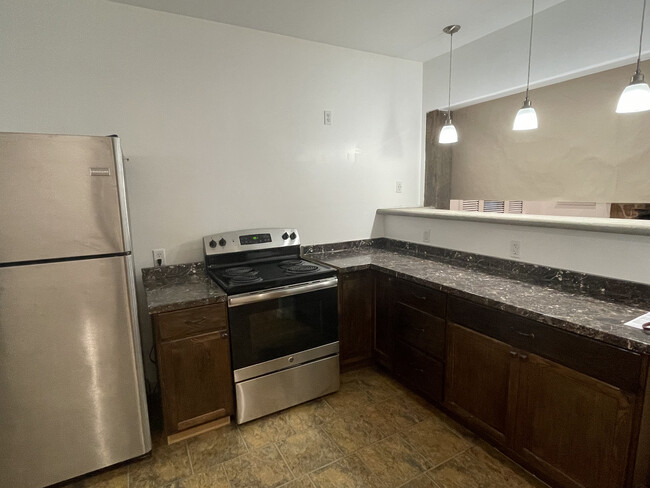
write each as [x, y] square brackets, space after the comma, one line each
[526, 118]
[448, 134]
[636, 96]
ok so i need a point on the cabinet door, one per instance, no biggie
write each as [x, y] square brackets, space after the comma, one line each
[356, 317]
[383, 345]
[481, 381]
[419, 371]
[196, 380]
[573, 427]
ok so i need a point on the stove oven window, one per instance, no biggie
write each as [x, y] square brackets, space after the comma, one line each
[275, 328]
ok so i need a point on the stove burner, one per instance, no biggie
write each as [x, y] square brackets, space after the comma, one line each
[238, 279]
[301, 268]
[290, 263]
[240, 271]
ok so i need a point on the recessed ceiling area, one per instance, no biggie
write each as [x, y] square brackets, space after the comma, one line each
[408, 29]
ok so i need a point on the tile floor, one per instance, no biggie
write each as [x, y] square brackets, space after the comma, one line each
[372, 433]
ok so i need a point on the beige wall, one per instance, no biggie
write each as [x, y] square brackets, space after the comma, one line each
[582, 151]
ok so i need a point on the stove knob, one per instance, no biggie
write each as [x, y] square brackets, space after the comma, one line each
[222, 242]
[285, 236]
[293, 235]
[213, 243]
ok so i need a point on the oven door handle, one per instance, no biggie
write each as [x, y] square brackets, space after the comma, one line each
[285, 291]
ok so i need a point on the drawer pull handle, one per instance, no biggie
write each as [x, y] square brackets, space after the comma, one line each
[224, 335]
[523, 356]
[526, 334]
[419, 329]
[513, 354]
[419, 297]
[197, 321]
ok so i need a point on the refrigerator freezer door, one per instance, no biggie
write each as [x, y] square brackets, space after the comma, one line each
[71, 394]
[59, 197]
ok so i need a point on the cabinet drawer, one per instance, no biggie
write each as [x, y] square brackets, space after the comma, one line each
[430, 301]
[419, 371]
[191, 321]
[613, 365]
[420, 330]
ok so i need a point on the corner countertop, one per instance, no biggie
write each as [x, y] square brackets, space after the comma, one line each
[170, 288]
[568, 310]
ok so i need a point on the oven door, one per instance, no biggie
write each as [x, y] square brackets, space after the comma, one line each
[282, 327]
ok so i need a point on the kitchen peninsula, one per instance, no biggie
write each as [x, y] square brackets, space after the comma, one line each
[537, 360]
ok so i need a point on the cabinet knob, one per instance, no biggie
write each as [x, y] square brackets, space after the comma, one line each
[513, 354]
[224, 335]
[523, 357]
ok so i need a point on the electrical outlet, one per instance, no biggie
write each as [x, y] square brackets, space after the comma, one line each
[327, 117]
[426, 235]
[158, 257]
[515, 249]
[398, 187]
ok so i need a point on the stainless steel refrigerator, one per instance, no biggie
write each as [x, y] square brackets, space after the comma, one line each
[72, 397]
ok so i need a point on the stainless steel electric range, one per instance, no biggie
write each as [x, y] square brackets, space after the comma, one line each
[283, 315]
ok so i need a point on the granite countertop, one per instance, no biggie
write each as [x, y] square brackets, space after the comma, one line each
[573, 311]
[170, 288]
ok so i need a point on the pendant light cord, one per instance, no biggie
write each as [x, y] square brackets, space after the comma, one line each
[530, 47]
[638, 60]
[451, 51]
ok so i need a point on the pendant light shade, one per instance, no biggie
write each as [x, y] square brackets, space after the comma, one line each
[448, 133]
[636, 96]
[526, 118]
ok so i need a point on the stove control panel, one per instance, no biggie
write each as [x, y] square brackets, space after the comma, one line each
[249, 240]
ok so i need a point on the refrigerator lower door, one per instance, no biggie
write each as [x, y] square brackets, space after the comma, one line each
[71, 385]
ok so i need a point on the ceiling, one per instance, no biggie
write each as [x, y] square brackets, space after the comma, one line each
[409, 29]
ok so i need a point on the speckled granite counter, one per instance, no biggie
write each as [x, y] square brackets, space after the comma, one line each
[573, 310]
[181, 286]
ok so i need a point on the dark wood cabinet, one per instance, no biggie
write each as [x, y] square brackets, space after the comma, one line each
[478, 381]
[573, 409]
[418, 329]
[574, 429]
[383, 344]
[356, 317]
[194, 371]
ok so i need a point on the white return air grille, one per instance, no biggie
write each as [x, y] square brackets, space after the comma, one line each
[492, 206]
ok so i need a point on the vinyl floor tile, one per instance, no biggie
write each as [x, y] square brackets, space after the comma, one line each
[468, 470]
[304, 482]
[353, 432]
[215, 447]
[266, 430]
[435, 440]
[114, 478]
[167, 464]
[422, 481]
[309, 415]
[404, 411]
[393, 461]
[215, 477]
[308, 450]
[348, 472]
[259, 468]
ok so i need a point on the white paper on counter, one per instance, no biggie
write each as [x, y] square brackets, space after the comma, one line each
[639, 321]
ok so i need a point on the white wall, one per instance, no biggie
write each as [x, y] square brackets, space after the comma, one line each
[600, 253]
[571, 39]
[223, 125]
